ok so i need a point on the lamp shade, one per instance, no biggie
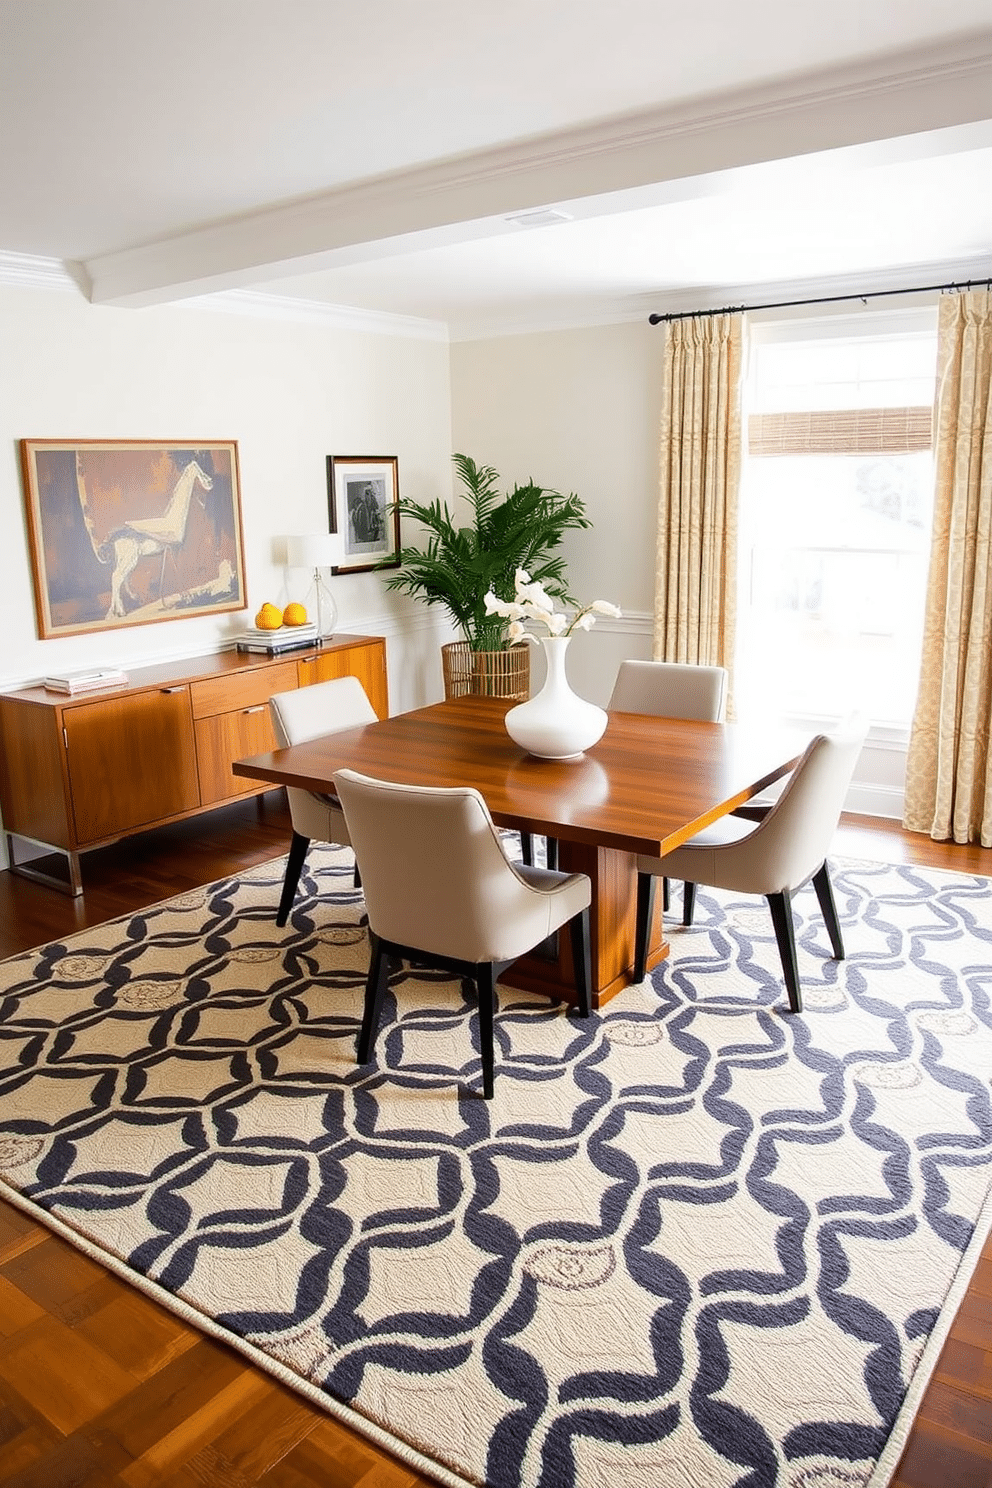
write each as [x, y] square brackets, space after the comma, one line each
[315, 550]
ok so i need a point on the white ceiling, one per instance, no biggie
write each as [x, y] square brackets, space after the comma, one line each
[374, 156]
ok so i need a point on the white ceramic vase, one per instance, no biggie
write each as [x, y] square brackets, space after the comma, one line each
[556, 724]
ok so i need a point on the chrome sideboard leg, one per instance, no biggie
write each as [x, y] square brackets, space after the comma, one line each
[73, 884]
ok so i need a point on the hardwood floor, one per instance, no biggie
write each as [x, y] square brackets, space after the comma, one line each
[102, 1388]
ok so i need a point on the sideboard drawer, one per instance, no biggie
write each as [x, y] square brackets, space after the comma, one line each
[242, 689]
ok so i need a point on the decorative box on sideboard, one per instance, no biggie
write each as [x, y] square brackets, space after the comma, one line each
[78, 772]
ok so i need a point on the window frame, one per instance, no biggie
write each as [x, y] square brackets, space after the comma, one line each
[769, 328]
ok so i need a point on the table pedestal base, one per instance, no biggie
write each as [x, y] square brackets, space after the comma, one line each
[613, 919]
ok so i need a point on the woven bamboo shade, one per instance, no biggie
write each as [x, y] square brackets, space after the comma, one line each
[840, 431]
[504, 674]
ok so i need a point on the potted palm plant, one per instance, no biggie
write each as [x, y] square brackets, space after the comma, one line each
[460, 564]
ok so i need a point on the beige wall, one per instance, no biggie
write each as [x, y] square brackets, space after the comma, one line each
[289, 392]
[577, 410]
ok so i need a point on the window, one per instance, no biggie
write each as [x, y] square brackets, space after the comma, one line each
[836, 509]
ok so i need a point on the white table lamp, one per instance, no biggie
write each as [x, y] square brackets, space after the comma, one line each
[318, 550]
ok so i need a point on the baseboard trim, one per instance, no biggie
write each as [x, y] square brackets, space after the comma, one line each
[875, 800]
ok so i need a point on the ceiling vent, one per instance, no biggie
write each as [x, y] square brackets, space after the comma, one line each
[539, 217]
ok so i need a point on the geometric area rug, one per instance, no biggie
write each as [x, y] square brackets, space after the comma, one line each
[691, 1241]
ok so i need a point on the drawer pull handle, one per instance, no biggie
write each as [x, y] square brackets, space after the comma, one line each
[260, 709]
[167, 690]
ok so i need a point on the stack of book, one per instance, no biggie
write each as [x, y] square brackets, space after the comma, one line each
[273, 642]
[91, 681]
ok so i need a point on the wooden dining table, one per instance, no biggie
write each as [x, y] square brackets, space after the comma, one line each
[647, 786]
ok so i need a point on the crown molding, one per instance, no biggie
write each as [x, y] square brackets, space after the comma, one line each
[318, 312]
[904, 279]
[546, 319]
[24, 270]
[577, 170]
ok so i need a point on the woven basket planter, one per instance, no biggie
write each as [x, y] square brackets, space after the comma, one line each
[469, 673]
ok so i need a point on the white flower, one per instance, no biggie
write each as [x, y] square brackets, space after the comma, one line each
[505, 607]
[532, 601]
[537, 596]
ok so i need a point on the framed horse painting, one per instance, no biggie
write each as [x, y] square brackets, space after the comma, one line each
[132, 531]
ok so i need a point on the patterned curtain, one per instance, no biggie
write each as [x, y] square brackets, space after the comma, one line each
[695, 595]
[948, 772]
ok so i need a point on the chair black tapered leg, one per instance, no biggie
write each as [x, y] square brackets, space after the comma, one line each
[358, 876]
[688, 903]
[294, 867]
[642, 930]
[828, 909]
[785, 933]
[551, 852]
[485, 986]
[582, 961]
[665, 894]
[375, 992]
[527, 849]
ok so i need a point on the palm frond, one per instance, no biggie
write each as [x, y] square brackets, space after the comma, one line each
[457, 565]
[482, 484]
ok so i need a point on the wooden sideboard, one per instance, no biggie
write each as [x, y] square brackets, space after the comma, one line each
[81, 772]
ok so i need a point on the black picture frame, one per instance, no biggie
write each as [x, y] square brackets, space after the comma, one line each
[362, 492]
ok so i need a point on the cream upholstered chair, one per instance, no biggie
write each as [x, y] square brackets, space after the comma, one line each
[439, 888]
[307, 713]
[671, 689]
[785, 850]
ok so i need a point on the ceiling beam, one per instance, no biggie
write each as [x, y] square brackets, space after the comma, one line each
[665, 154]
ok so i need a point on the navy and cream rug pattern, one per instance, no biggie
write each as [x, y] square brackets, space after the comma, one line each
[691, 1241]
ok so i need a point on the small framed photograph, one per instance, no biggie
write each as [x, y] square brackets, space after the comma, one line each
[132, 531]
[362, 492]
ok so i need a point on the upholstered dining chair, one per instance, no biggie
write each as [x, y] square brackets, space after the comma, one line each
[439, 888]
[786, 849]
[307, 713]
[671, 689]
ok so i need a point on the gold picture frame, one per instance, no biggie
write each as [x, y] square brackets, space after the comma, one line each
[132, 531]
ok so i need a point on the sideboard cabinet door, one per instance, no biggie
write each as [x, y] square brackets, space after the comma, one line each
[131, 761]
[366, 662]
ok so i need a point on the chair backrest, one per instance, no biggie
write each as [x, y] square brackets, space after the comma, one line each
[434, 873]
[793, 840]
[671, 689]
[322, 708]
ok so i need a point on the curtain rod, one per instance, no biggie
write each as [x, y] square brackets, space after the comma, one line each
[870, 294]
